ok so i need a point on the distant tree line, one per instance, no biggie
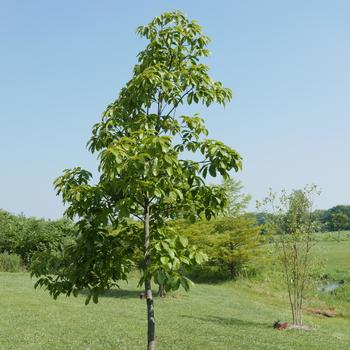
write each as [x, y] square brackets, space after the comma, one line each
[336, 218]
[232, 242]
[25, 236]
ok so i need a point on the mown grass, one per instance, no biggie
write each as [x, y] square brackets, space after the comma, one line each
[235, 315]
[228, 316]
[337, 258]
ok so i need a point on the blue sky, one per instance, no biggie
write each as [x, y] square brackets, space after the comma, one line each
[287, 62]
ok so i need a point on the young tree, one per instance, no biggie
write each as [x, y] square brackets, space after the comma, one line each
[339, 221]
[144, 143]
[232, 241]
[238, 201]
[293, 224]
[235, 237]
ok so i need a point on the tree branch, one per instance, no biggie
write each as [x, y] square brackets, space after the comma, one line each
[180, 99]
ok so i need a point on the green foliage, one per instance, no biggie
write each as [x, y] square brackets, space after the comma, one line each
[171, 258]
[27, 236]
[325, 217]
[294, 226]
[319, 216]
[339, 220]
[328, 219]
[237, 200]
[237, 244]
[10, 263]
[9, 231]
[232, 241]
[144, 174]
[344, 209]
[145, 146]
[232, 244]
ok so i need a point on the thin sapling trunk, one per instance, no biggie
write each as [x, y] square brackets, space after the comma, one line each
[151, 345]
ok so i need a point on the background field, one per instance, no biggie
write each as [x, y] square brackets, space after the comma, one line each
[235, 315]
[337, 258]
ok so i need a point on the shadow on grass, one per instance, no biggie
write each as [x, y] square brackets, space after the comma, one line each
[229, 321]
[117, 293]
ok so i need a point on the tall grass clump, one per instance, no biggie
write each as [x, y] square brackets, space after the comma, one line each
[10, 263]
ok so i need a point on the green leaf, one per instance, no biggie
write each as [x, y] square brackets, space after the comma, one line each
[160, 278]
[205, 171]
[169, 171]
[158, 192]
[199, 258]
[178, 193]
[87, 300]
[212, 170]
[172, 196]
[170, 252]
[189, 98]
[164, 260]
[184, 241]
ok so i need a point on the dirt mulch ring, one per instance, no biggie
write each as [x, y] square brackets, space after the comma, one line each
[302, 327]
[280, 325]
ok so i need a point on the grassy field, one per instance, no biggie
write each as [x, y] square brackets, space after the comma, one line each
[337, 258]
[237, 315]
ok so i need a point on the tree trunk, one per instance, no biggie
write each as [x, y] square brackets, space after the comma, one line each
[232, 270]
[151, 344]
[150, 317]
[161, 291]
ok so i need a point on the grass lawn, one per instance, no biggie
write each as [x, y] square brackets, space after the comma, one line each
[236, 315]
[227, 316]
[337, 258]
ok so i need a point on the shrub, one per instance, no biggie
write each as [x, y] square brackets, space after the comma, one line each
[26, 236]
